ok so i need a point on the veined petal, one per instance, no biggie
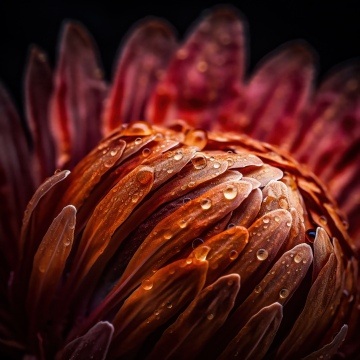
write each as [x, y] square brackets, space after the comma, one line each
[203, 81]
[142, 63]
[76, 103]
[93, 345]
[277, 93]
[38, 89]
[159, 298]
[255, 338]
[201, 319]
[48, 266]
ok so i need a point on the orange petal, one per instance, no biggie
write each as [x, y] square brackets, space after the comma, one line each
[48, 267]
[264, 174]
[202, 83]
[322, 251]
[222, 250]
[156, 301]
[197, 324]
[142, 62]
[266, 237]
[306, 329]
[275, 196]
[76, 128]
[255, 338]
[38, 89]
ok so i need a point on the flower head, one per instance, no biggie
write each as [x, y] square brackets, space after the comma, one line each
[191, 223]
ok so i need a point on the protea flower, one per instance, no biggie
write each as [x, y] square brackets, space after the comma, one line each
[191, 224]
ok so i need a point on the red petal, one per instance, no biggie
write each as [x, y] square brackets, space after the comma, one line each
[38, 89]
[79, 92]
[144, 58]
[277, 93]
[202, 83]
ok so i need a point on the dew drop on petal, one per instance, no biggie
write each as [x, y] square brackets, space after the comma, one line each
[67, 242]
[113, 152]
[178, 155]
[205, 204]
[197, 138]
[233, 254]
[197, 242]
[297, 258]
[210, 316]
[323, 220]
[140, 128]
[42, 268]
[277, 219]
[266, 220]
[189, 261]
[138, 141]
[284, 293]
[182, 224]
[288, 223]
[230, 161]
[57, 171]
[156, 312]
[168, 235]
[216, 165]
[146, 152]
[168, 304]
[230, 192]
[257, 289]
[147, 284]
[199, 161]
[144, 176]
[186, 200]
[201, 252]
[231, 225]
[262, 254]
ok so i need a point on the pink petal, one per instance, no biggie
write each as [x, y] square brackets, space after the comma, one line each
[142, 62]
[38, 89]
[78, 96]
[202, 83]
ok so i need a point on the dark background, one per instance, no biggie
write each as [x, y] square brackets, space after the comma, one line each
[332, 28]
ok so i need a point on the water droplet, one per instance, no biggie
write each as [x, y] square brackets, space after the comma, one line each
[297, 258]
[42, 268]
[196, 138]
[57, 171]
[199, 161]
[277, 219]
[231, 225]
[284, 293]
[168, 304]
[230, 192]
[233, 254]
[201, 252]
[197, 242]
[113, 152]
[323, 220]
[210, 316]
[230, 161]
[266, 220]
[178, 155]
[310, 235]
[109, 162]
[189, 261]
[212, 158]
[186, 200]
[138, 128]
[191, 184]
[138, 141]
[257, 289]
[283, 203]
[288, 223]
[168, 235]
[144, 176]
[146, 152]
[345, 224]
[169, 171]
[182, 224]
[205, 204]
[216, 165]
[262, 254]
[67, 242]
[147, 284]
[156, 312]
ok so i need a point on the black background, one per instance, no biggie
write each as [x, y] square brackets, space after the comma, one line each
[332, 28]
